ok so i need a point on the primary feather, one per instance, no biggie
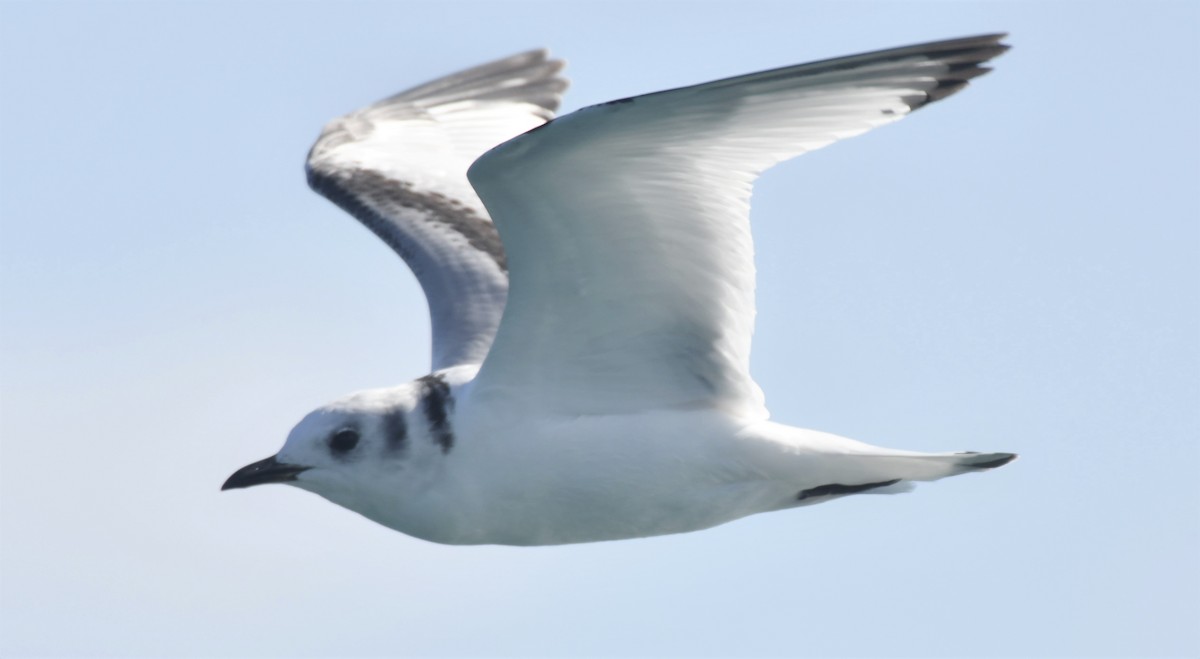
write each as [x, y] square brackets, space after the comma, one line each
[399, 166]
[627, 225]
[615, 399]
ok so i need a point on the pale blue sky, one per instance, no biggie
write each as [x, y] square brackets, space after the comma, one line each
[1014, 269]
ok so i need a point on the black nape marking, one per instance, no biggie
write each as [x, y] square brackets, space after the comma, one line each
[837, 488]
[395, 430]
[436, 403]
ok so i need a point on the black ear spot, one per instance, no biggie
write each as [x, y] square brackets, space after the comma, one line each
[343, 441]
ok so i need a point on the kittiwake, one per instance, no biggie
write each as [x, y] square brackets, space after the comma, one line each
[590, 280]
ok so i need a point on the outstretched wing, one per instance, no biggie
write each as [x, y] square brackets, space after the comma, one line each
[627, 227]
[400, 167]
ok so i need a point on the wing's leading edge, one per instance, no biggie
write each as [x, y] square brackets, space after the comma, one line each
[399, 166]
[626, 227]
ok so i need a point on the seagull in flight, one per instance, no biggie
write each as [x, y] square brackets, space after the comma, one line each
[590, 280]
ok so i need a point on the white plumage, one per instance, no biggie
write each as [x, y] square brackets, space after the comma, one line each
[610, 397]
[400, 167]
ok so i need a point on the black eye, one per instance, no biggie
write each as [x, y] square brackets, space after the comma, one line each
[343, 441]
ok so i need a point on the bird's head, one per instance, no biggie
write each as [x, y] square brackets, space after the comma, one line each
[368, 444]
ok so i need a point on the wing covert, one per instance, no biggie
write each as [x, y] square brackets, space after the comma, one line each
[626, 226]
[399, 167]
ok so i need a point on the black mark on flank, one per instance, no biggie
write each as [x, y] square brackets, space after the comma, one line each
[436, 403]
[395, 430]
[837, 488]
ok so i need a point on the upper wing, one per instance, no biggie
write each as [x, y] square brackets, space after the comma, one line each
[400, 167]
[627, 226]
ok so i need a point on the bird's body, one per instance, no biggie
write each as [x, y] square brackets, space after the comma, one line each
[591, 375]
[509, 475]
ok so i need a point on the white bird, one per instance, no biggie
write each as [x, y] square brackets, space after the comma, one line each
[611, 398]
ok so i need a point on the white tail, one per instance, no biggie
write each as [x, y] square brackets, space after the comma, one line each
[824, 465]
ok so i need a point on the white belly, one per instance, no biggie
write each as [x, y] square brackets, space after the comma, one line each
[595, 478]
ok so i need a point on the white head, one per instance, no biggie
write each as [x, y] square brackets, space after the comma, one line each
[372, 451]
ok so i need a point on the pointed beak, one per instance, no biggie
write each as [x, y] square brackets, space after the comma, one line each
[261, 472]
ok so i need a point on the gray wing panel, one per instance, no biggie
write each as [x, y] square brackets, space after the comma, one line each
[399, 167]
[455, 254]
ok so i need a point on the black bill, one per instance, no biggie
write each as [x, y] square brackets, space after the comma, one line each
[261, 472]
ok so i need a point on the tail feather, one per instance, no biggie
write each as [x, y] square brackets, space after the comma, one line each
[894, 473]
[825, 466]
[981, 461]
[932, 466]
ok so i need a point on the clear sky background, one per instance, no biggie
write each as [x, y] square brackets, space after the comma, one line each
[1013, 269]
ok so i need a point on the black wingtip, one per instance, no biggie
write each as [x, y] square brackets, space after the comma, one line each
[965, 58]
